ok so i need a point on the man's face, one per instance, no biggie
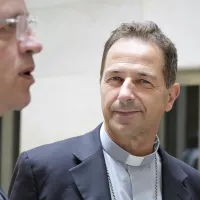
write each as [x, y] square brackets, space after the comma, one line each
[133, 91]
[15, 59]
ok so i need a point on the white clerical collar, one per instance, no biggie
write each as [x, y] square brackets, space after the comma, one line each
[123, 156]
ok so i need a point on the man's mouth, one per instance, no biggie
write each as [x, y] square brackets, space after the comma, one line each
[127, 113]
[26, 73]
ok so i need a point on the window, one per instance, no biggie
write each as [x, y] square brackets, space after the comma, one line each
[181, 128]
[9, 135]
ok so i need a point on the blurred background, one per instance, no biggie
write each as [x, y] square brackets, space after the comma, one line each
[66, 95]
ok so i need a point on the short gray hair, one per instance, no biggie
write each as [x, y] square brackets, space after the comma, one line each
[147, 31]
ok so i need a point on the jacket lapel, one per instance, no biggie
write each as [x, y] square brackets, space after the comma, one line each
[90, 175]
[172, 179]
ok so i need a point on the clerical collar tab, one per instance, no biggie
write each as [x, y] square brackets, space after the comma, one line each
[119, 154]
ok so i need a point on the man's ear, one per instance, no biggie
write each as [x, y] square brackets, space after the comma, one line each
[173, 93]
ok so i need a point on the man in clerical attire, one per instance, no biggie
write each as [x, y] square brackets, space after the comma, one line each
[121, 159]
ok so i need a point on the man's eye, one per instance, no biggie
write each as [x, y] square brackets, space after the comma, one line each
[10, 26]
[142, 81]
[116, 78]
[145, 83]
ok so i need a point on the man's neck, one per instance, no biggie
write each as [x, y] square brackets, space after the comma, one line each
[4, 108]
[3, 112]
[140, 145]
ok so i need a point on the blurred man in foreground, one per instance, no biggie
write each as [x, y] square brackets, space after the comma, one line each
[17, 46]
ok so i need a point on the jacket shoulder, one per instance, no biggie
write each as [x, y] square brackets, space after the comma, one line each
[187, 168]
[53, 153]
[193, 174]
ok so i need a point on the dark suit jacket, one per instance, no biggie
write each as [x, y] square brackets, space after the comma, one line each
[74, 169]
[2, 196]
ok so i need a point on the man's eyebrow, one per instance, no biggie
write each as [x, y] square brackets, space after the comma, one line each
[17, 13]
[138, 73]
[146, 74]
[114, 71]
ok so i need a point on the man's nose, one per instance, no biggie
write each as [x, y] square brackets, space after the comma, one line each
[126, 91]
[30, 45]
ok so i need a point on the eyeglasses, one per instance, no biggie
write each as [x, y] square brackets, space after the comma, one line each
[22, 24]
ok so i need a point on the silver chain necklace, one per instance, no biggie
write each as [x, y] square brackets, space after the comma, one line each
[156, 181]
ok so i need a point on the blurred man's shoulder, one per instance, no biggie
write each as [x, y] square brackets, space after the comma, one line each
[2, 197]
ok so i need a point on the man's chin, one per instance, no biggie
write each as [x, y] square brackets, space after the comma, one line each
[22, 103]
[125, 128]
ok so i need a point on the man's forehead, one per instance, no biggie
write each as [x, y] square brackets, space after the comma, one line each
[12, 8]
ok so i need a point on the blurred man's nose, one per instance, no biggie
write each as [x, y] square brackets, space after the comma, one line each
[30, 45]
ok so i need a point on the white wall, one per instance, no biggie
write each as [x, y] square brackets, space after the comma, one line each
[73, 34]
[65, 98]
[61, 107]
[179, 19]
